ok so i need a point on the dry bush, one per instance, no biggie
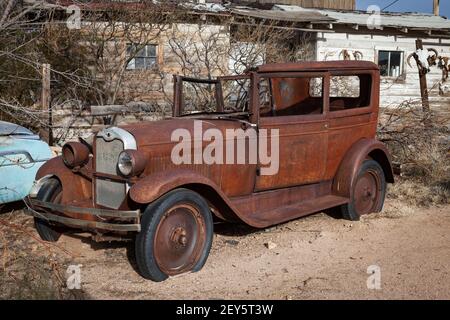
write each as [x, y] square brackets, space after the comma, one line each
[208, 50]
[89, 65]
[419, 145]
[431, 163]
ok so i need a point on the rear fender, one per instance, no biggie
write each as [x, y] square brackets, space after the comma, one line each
[349, 167]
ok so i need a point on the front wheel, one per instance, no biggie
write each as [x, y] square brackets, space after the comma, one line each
[176, 235]
[368, 192]
[51, 191]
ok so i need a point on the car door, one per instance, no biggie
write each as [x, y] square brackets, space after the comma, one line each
[294, 106]
[352, 113]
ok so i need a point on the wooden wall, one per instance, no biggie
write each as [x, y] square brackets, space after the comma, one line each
[327, 4]
[393, 91]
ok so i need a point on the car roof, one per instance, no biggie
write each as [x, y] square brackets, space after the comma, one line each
[317, 66]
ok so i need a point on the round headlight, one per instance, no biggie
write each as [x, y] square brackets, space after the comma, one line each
[75, 154]
[125, 163]
[131, 163]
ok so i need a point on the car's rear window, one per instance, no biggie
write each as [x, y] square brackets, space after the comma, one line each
[350, 91]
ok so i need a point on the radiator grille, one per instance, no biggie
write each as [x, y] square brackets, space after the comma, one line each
[108, 193]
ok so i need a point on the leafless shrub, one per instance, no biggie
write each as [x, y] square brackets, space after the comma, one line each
[419, 150]
[208, 50]
[101, 52]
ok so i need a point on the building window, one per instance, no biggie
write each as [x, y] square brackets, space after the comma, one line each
[390, 63]
[144, 57]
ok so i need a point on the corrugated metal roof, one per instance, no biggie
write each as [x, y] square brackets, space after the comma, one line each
[208, 7]
[291, 13]
[282, 15]
[391, 19]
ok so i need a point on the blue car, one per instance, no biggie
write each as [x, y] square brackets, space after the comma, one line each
[22, 153]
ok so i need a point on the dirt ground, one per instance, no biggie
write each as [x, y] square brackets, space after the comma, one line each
[316, 257]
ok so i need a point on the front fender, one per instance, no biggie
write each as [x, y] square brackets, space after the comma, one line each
[74, 186]
[151, 187]
[154, 186]
[349, 167]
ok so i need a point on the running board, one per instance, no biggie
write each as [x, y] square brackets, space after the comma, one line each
[296, 210]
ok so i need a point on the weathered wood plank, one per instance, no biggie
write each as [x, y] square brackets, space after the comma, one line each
[131, 107]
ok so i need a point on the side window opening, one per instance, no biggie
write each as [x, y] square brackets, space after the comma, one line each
[349, 92]
[285, 96]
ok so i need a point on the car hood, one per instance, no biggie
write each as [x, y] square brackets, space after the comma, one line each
[160, 132]
[17, 131]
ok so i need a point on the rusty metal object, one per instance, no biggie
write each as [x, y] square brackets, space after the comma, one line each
[85, 224]
[180, 239]
[318, 66]
[178, 106]
[46, 210]
[367, 192]
[323, 140]
[103, 213]
[76, 187]
[75, 154]
[349, 166]
[321, 150]
[138, 162]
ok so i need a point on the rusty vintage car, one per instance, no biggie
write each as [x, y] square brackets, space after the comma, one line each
[124, 182]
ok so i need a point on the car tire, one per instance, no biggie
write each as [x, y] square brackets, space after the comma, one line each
[368, 192]
[176, 235]
[50, 191]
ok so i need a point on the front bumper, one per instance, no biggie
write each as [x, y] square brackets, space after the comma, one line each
[124, 221]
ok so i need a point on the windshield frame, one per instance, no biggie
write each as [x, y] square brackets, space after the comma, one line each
[178, 105]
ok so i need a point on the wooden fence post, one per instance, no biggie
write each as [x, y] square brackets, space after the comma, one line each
[423, 88]
[46, 131]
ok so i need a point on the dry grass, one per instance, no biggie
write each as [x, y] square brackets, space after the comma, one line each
[428, 162]
[29, 268]
[419, 143]
[416, 193]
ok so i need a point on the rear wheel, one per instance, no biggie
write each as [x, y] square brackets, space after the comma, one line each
[51, 191]
[368, 192]
[176, 235]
